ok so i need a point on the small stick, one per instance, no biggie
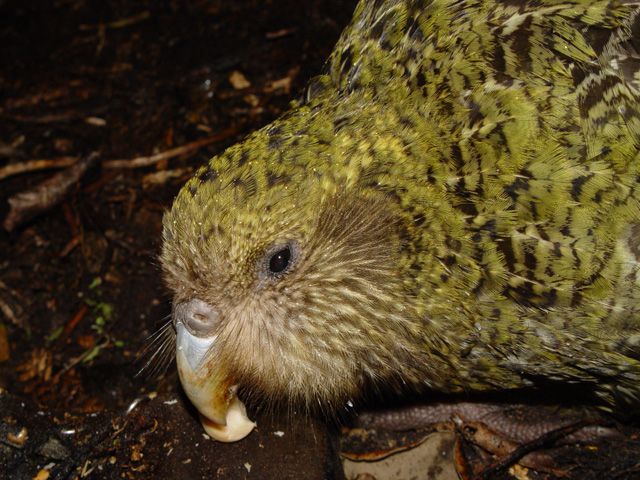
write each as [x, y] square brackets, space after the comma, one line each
[28, 204]
[131, 163]
[34, 165]
[122, 23]
[544, 440]
[75, 320]
[139, 162]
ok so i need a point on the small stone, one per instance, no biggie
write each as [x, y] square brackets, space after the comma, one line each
[53, 449]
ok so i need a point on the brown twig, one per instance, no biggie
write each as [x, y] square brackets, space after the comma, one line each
[139, 162]
[35, 165]
[75, 361]
[122, 23]
[130, 163]
[68, 248]
[161, 177]
[28, 204]
[45, 119]
[75, 320]
[5, 350]
[544, 440]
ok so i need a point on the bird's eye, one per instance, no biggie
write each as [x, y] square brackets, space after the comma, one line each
[280, 260]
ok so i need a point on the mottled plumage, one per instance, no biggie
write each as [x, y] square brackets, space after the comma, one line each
[459, 195]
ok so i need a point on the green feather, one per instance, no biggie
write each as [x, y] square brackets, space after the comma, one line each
[462, 183]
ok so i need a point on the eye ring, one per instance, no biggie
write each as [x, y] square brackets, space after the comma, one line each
[279, 259]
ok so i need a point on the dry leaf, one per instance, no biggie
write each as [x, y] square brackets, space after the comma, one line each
[43, 474]
[238, 80]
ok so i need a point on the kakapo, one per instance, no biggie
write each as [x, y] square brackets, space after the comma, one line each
[454, 205]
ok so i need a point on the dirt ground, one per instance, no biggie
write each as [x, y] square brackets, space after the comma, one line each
[106, 108]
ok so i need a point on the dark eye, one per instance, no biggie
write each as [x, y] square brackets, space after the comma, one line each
[279, 261]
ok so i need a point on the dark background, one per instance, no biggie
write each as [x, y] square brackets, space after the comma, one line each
[80, 284]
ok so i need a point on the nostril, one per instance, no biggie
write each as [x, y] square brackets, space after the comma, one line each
[198, 317]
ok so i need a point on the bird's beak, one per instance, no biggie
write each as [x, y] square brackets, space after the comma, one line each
[222, 414]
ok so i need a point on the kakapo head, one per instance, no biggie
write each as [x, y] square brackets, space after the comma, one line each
[286, 273]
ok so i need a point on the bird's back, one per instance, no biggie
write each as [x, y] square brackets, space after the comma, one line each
[462, 188]
[537, 105]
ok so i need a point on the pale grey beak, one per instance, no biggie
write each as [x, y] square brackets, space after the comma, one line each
[223, 415]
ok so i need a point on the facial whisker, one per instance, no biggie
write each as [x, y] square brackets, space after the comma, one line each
[157, 338]
[166, 322]
[157, 354]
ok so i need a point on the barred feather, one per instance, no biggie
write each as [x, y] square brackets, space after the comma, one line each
[488, 150]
